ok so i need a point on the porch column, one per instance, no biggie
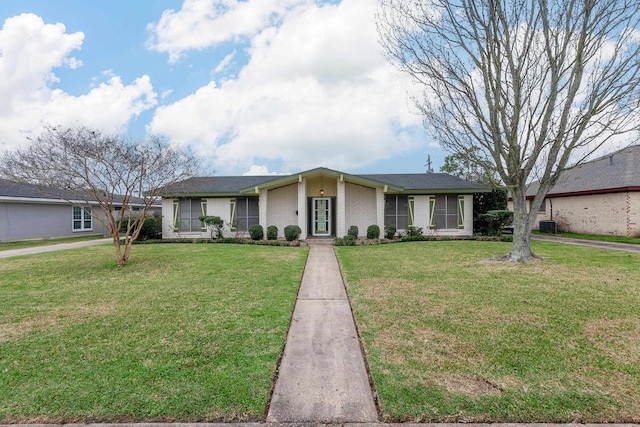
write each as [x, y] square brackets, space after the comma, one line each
[380, 209]
[262, 210]
[302, 207]
[341, 212]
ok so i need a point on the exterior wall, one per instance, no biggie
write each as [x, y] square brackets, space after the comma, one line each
[282, 207]
[326, 183]
[380, 210]
[302, 208]
[421, 212]
[341, 209]
[23, 221]
[615, 214]
[361, 208]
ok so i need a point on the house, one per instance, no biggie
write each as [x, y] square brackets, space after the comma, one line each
[599, 197]
[30, 212]
[322, 202]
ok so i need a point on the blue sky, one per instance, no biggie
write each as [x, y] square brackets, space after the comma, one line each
[256, 86]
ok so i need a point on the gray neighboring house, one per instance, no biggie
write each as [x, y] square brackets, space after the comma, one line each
[599, 197]
[322, 202]
[26, 212]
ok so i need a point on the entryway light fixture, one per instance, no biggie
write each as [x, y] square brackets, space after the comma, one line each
[321, 187]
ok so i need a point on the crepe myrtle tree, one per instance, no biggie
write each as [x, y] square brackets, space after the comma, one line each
[522, 89]
[92, 167]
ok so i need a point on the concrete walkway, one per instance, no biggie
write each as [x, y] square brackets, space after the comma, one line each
[629, 247]
[51, 248]
[322, 376]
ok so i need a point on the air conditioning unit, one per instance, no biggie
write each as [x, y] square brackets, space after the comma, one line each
[549, 227]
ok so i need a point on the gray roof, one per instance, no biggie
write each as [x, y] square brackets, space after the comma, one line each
[229, 185]
[30, 191]
[617, 171]
[12, 189]
[427, 181]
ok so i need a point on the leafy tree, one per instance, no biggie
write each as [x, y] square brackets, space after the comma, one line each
[94, 167]
[525, 90]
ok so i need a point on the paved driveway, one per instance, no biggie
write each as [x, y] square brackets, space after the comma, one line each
[51, 248]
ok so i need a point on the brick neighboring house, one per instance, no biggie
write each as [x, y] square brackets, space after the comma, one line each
[26, 212]
[599, 197]
[322, 202]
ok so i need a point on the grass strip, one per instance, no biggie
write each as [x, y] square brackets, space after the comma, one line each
[182, 333]
[22, 244]
[454, 334]
[599, 237]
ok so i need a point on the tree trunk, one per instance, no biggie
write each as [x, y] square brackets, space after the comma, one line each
[122, 258]
[521, 251]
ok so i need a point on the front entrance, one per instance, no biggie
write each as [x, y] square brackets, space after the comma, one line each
[321, 210]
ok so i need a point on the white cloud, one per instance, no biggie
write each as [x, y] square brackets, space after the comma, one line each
[316, 92]
[203, 23]
[31, 51]
[261, 170]
[225, 62]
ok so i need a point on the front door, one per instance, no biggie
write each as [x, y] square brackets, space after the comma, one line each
[321, 216]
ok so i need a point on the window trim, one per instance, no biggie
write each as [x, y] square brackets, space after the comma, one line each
[86, 214]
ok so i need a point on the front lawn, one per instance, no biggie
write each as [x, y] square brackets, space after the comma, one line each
[454, 334]
[184, 332]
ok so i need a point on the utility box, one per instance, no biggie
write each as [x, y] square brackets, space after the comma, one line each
[549, 227]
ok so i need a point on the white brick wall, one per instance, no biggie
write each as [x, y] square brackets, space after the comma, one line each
[361, 208]
[281, 210]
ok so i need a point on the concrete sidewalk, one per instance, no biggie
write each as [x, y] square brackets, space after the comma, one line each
[629, 247]
[51, 248]
[322, 376]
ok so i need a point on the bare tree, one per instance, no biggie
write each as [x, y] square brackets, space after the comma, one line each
[92, 167]
[524, 88]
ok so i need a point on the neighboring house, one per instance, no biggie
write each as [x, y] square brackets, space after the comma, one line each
[599, 197]
[26, 212]
[322, 202]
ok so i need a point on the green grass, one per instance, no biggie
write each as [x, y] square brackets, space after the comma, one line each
[184, 332]
[616, 239]
[22, 244]
[454, 334]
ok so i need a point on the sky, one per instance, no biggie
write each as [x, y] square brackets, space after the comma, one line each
[251, 87]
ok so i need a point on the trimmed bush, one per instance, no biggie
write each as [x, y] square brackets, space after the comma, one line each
[373, 232]
[390, 231]
[353, 231]
[256, 232]
[494, 221]
[151, 229]
[214, 224]
[272, 232]
[347, 240]
[292, 232]
[413, 231]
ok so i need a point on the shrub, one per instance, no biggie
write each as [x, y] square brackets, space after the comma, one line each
[373, 232]
[494, 221]
[214, 224]
[347, 240]
[390, 231]
[292, 232]
[256, 232]
[353, 231]
[272, 232]
[413, 231]
[151, 229]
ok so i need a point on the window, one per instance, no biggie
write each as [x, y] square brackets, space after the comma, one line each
[81, 218]
[399, 211]
[187, 213]
[244, 213]
[543, 206]
[446, 211]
